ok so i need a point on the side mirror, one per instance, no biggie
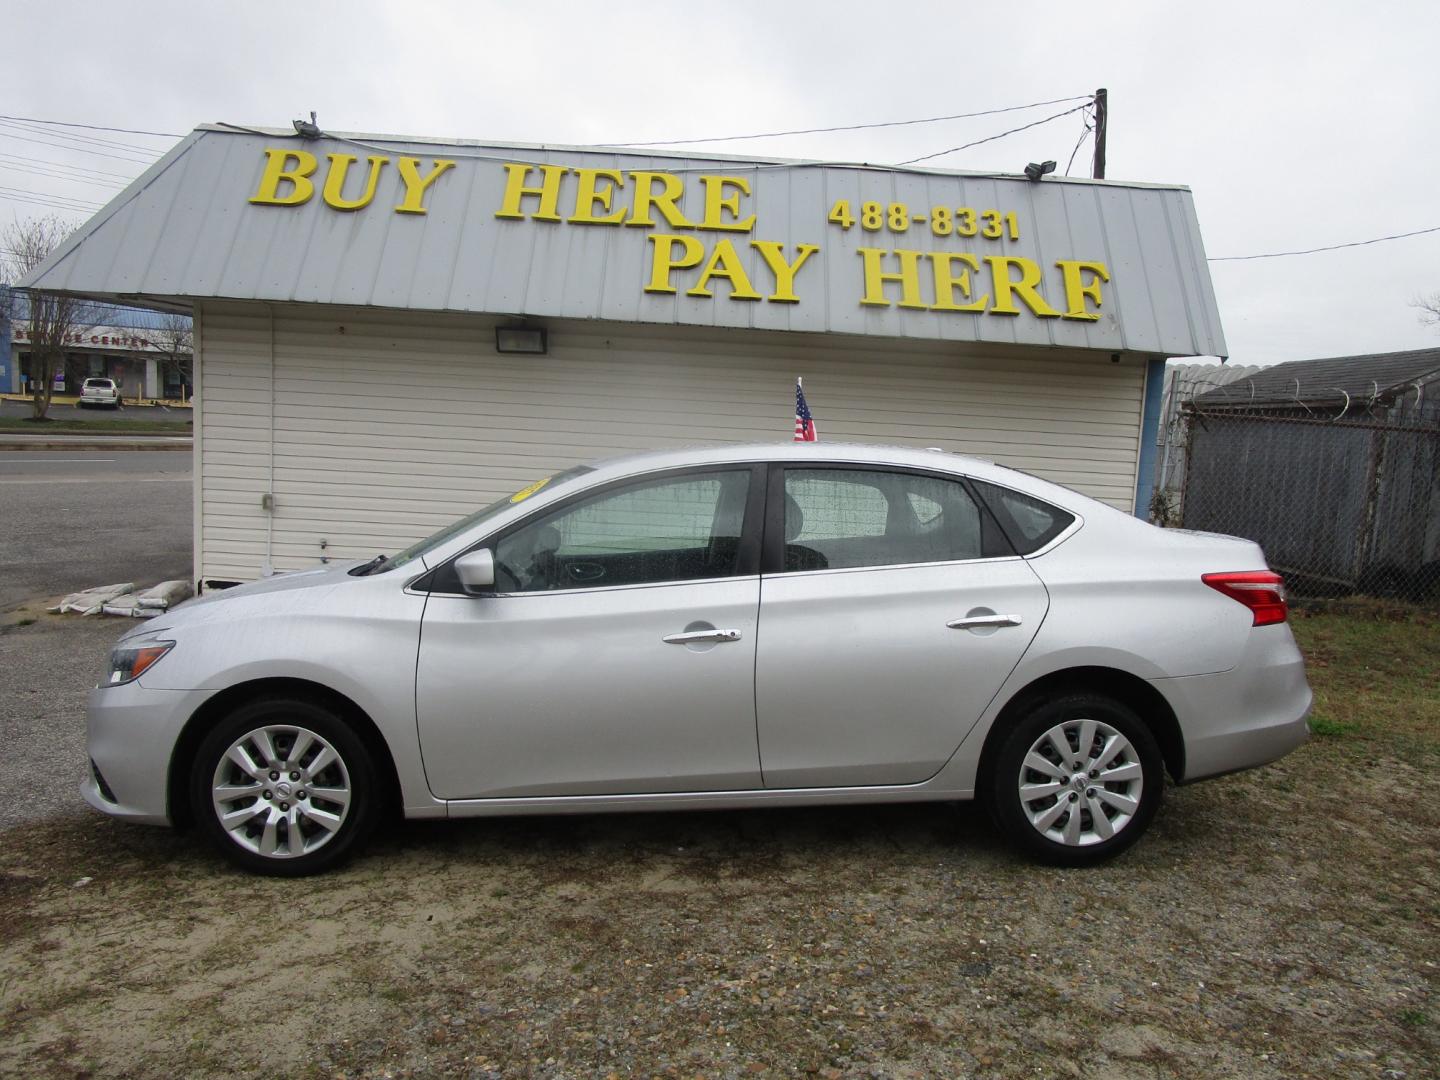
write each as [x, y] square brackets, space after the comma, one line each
[476, 571]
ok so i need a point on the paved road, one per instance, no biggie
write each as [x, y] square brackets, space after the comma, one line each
[76, 518]
[158, 413]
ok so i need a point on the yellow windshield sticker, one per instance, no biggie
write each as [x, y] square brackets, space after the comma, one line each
[525, 493]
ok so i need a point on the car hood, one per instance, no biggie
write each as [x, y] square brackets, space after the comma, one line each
[212, 604]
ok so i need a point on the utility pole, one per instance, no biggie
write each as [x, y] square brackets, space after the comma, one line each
[1102, 107]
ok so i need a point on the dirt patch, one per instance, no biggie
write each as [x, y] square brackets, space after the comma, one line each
[1279, 923]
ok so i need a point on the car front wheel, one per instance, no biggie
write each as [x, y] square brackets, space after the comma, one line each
[1076, 781]
[284, 787]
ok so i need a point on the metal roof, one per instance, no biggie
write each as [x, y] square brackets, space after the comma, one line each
[191, 228]
[1372, 377]
[129, 318]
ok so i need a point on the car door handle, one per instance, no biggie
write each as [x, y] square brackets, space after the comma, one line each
[973, 621]
[690, 637]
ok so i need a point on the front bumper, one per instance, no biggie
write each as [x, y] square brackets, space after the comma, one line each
[1247, 716]
[132, 733]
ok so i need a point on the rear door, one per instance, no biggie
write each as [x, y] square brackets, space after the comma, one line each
[891, 611]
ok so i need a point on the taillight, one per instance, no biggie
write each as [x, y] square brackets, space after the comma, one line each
[1262, 591]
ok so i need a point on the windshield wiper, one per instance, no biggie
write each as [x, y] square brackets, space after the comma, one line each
[370, 567]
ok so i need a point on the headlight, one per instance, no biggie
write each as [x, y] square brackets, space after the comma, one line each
[129, 662]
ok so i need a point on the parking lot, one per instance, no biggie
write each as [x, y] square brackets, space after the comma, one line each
[1279, 923]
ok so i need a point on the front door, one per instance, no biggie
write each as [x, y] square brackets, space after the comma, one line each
[894, 613]
[617, 655]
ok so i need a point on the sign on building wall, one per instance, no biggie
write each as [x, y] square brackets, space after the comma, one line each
[604, 234]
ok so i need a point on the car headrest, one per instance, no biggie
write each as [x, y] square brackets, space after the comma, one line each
[794, 519]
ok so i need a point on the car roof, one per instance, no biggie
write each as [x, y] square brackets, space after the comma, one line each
[935, 458]
[866, 453]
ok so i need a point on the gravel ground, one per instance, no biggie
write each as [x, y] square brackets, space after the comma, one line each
[46, 671]
[1279, 923]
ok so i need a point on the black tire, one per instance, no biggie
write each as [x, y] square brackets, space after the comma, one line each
[1080, 796]
[284, 798]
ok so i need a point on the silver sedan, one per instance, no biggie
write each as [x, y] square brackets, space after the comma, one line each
[705, 629]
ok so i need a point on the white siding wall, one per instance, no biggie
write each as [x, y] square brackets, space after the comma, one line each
[387, 425]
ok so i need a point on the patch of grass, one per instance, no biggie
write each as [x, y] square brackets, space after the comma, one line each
[1413, 1018]
[1327, 728]
[117, 426]
[1375, 676]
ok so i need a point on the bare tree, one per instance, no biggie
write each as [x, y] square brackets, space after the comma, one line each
[54, 319]
[1429, 308]
[174, 336]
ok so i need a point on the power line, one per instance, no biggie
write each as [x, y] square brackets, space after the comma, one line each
[48, 195]
[1084, 131]
[94, 127]
[50, 163]
[992, 138]
[846, 127]
[75, 149]
[1328, 247]
[5, 166]
[45, 202]
[77, 140]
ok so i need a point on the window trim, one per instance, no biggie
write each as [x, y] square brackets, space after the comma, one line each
[747, 561]
[772, 563]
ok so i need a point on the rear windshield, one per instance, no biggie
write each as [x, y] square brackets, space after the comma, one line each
[104, 384]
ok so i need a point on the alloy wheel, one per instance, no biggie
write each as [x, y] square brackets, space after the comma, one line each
[281, 791]
[1080, 783]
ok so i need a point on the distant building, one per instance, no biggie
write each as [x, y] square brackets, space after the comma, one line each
[147, 353]
[1353, 385]
[7, 358]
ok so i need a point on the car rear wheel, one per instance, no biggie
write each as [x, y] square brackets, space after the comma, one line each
[1076, 781]
[284, 787]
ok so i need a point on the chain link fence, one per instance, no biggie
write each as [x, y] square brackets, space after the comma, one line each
[1343, 495]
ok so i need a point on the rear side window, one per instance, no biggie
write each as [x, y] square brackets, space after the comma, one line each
[1030, 523]
[843, 518]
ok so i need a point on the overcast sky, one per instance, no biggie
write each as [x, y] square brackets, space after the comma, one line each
[1295, 124]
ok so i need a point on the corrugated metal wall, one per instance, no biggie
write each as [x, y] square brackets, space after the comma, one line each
[389, 424]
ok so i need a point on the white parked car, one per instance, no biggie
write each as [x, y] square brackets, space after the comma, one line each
[99, 392]
[704, 629]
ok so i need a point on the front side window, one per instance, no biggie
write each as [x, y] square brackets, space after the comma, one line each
[499, 506]
[839, 518]
[680, 528]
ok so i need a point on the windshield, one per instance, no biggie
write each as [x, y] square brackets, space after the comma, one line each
[414, 551]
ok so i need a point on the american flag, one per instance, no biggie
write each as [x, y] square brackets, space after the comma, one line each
[804, 423]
